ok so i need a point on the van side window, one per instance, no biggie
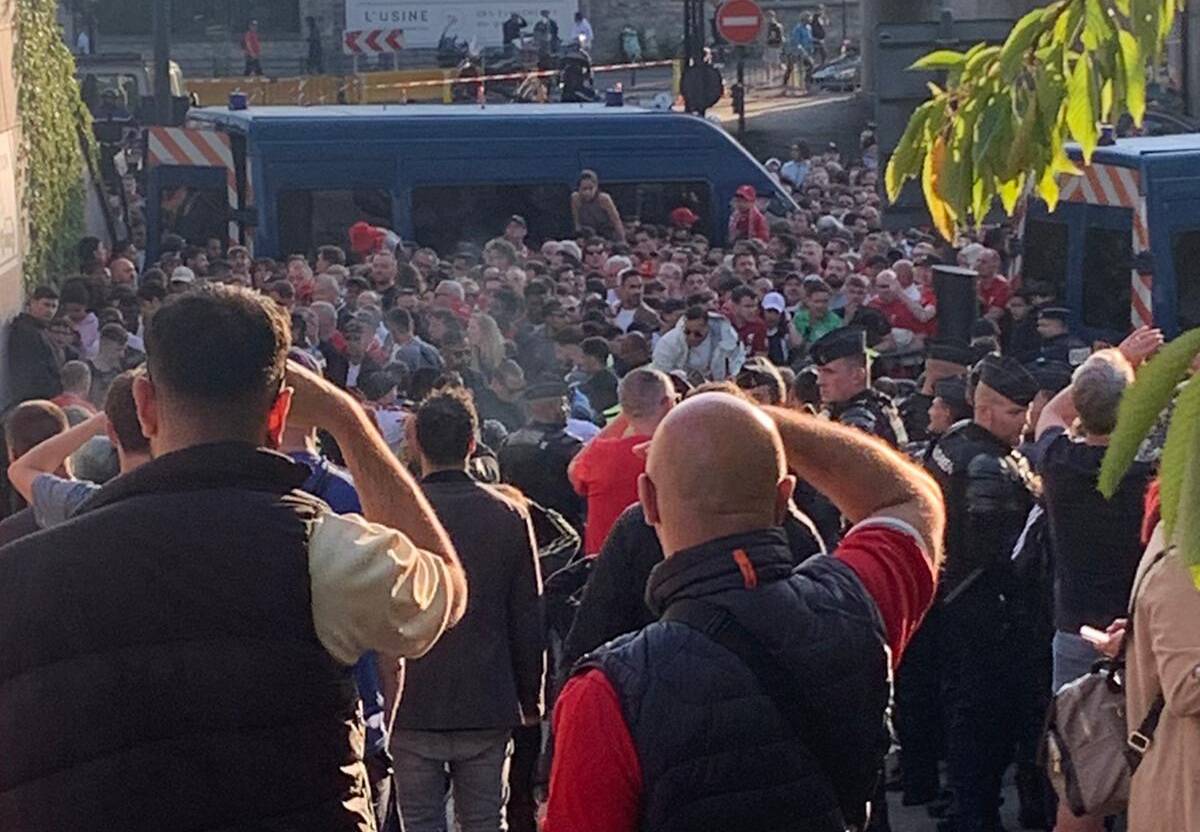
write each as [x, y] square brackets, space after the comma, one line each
[1107, 272]
[311, 219]
[1045, 254]
[445, 215]
[1185, 252]
[653, 202]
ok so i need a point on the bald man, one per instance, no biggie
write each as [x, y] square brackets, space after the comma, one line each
[757, 700]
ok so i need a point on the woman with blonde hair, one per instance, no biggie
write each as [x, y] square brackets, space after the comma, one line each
[487, 344]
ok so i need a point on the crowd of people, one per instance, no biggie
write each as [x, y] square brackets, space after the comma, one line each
[267, 488]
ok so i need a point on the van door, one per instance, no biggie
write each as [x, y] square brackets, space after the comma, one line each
[192, 202]
[1177, 275]
[1103, 293]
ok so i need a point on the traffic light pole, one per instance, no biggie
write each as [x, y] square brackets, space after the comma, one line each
[739, 91]
[162, 61]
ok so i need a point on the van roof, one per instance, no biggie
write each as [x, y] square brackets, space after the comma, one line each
[1133, 152]
[244, 119]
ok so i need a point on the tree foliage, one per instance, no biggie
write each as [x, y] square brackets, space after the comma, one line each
[1002, 120]
[53, 118]
[1158, 384]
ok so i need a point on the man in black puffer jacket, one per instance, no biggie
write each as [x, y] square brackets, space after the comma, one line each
[757, 702]
[180, 654]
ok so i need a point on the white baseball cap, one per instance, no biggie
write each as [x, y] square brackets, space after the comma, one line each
[774, 301]
[183, 274]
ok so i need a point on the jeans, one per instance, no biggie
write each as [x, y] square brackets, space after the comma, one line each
[1073, 657]
[477, 764]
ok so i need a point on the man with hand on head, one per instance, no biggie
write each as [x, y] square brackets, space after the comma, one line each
[757, 701]
[195, 628]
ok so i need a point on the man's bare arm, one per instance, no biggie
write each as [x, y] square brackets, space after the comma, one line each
[49, 456]
[388, 494]
[862, 475]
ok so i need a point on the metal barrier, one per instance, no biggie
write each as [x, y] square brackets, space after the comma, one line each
[396, 87]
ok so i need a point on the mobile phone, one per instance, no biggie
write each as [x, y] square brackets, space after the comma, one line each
[1093, 636]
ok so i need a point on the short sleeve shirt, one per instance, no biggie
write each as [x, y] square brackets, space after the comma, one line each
[55, 499]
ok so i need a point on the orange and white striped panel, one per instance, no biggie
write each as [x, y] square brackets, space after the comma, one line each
[198, 149]
[1121, 188]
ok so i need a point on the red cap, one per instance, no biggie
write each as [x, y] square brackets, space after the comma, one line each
[684, 218]
[747, 192]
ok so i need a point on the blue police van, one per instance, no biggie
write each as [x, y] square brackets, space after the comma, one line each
[289, 179]
[1122, 247]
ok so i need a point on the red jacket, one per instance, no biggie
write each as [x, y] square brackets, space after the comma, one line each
[751, 225]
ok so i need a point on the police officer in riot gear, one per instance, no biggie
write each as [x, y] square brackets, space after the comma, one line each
[535, 458]
[1058, 344]
[989, 490]
[843, 376]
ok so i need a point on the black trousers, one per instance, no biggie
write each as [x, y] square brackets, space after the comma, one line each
[919, 717]
[977, 687]
[522, 779]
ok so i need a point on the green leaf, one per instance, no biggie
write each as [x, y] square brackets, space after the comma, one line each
[1020, 39]
[943, 221]
[1142, 403]
[1106, 101]
[941, 59]
[906, 159]
[974, 62]
[1179, 452]
[1095, 25]
[1135, 76]
[1010, 193]
[1081, 115]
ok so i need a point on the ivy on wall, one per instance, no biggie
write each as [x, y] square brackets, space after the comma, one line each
[53, 117]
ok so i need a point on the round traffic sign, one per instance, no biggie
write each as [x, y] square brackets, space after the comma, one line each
[739, 21]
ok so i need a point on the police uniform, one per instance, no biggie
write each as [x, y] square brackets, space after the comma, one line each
[914, 410]
[989, 489]
[868, 410]
[535, 459]
[1065, 348]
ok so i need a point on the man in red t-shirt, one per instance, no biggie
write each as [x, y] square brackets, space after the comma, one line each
[252, 49]
[606, 471]
[898, 306]
[751, 328]
[994, 290]
[706, 497]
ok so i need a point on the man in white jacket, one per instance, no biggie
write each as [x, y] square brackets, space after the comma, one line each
[703, 344]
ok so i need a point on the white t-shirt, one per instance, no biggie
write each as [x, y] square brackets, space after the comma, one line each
[624, 319]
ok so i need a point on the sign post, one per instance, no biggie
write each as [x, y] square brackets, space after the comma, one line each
[740, 22]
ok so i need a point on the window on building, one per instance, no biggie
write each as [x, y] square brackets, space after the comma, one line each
[653, 202]
[195, 19]
[445, 215]
[1044, 258]
[1107, 272]
[194, 213]
[311, 219]
[1185, 253]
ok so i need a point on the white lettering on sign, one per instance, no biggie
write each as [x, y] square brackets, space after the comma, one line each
[426, 22]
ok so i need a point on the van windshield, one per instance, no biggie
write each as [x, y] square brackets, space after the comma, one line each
[1185, 252]
[444, 215]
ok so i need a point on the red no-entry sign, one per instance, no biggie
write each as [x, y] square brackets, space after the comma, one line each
[739, 21]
